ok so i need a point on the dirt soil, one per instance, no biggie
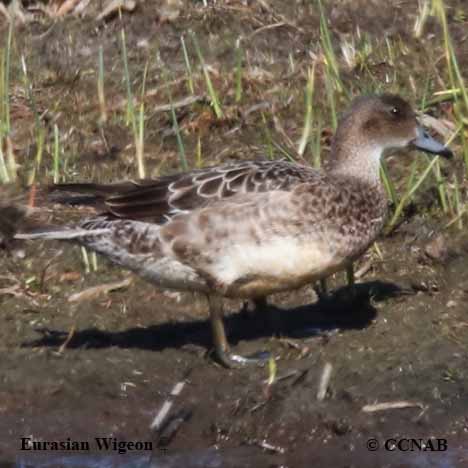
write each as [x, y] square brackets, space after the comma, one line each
[403, 338]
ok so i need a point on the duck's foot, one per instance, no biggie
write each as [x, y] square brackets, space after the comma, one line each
[222, 353]
[350, 293]
[232, 361]
[321, 287]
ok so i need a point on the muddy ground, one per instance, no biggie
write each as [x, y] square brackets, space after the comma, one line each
[402, 339]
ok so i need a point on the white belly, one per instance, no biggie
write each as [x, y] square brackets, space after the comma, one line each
[285, 260]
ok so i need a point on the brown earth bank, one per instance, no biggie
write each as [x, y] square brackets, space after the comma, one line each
[104, 366]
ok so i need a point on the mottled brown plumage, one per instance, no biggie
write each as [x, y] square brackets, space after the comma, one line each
[251, 228]
[159, 199]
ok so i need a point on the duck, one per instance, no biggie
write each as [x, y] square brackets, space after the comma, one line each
[251, 228]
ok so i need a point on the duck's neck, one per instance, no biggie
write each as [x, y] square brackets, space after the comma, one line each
[357, 161]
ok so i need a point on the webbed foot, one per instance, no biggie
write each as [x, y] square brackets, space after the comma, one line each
[222, 353]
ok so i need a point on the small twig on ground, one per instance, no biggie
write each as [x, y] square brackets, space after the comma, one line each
[114, 6]
[184, 102]
[66, 7]
[420, 414]
[267, 27]
[95, 291]
[259, 107]
[187, 101]
[12, 291]
[267, 446]
[168, 433]
[391, 405]
[364, 269]
[324, 381]
[167, 405]
[257, 406]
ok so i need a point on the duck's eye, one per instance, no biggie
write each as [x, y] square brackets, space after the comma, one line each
[395, 111]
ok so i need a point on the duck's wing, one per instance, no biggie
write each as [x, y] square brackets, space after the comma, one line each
[156, 200]
[276, 234]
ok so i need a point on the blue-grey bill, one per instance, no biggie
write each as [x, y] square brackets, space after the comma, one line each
[425, 142]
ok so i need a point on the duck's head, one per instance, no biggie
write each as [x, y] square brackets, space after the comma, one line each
[375, 125]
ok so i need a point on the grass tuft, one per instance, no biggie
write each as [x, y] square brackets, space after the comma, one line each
[188, 66]
[412, 188]
[309, 97]
[131, 117]
[458, 90]
[331, 61]
[209, 84]
[175, 124]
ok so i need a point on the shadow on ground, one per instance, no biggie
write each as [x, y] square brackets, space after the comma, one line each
[340, 311]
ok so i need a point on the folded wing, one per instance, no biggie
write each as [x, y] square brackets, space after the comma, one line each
[157, 200]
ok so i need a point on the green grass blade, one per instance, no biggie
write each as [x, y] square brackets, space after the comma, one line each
[308, 118]
[130, 119]
[188, 66]
[388, 184]
[180, 144]
[211, 91]
[410, 193]
[56, 161]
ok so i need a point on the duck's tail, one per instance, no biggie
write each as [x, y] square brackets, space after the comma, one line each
[86, 194]
[25, 218]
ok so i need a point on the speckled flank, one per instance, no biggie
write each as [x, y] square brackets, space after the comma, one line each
[249, 246]
[255, 227]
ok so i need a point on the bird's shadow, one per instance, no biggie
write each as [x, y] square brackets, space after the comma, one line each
[339, 311]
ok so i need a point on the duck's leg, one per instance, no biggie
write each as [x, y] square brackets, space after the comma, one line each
[215, 303]
[321, 288]
[351, 281]
[221, 345]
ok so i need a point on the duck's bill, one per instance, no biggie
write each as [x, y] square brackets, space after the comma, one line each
[425, 142]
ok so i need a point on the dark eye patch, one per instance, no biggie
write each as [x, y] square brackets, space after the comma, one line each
[371, 124]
